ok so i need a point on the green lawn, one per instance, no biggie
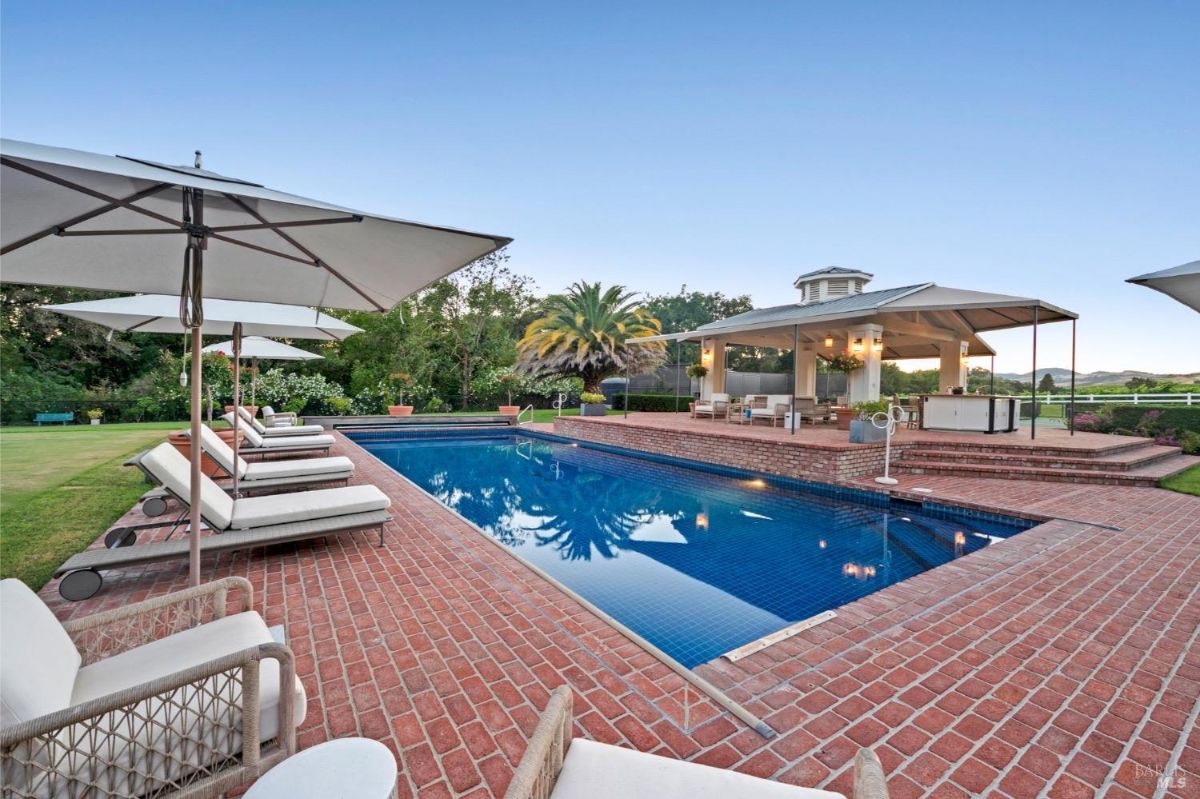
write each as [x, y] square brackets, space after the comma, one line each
[60, 487]
[1185, 482]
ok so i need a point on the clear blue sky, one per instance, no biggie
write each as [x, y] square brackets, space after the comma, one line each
[1040, 148]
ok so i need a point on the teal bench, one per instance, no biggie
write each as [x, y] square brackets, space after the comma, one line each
[51, 418]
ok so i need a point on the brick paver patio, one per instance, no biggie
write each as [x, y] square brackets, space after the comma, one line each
[1062, 662]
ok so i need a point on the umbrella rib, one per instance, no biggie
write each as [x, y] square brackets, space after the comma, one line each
[316, 259]
[260, 248]
[90, 192]
[60, 228]
[299, 223]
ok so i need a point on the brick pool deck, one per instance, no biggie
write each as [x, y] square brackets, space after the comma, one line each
[1062, 662]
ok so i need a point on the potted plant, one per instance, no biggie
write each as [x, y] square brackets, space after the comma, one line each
[698, 371]
[508, 381]
[400, 381]
[862, 429]
[95, 414]
[592, 404]
[844, 363]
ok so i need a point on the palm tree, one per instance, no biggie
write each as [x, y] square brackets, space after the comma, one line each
[586, 332]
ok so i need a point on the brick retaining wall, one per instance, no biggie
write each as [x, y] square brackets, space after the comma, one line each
[773, 456]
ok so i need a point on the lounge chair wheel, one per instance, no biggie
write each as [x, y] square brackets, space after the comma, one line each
[80, 584]
[155, 506]
[120, 537]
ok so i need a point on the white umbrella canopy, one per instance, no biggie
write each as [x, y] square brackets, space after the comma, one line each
[159, 313]
[1180, 283]
[85, 220]
[258, 347]
[79, 219]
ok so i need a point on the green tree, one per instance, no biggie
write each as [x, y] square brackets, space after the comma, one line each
[1046, 384]
[586, 331]
[688, 310]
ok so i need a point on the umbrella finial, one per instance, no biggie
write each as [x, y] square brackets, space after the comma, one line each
[198, 157]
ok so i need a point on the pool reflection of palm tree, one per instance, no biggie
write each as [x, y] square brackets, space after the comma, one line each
[603, 525]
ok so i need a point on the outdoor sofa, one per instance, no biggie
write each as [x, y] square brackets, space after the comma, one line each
[243, 523]
[290, 430]
[167, 697]
[769, 407]
[255, 443]
[812, 412]
[556, 766]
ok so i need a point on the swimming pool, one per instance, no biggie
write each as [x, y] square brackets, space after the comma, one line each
[696, 560]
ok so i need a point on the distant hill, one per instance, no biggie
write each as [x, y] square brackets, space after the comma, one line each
[1062, 377]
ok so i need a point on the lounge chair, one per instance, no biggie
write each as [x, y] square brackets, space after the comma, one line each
[168, 696]
[273, 418]
[281, 475]
[556, 766]
[243, 523]
[717, 405]
[257, 444]
[771, 407]
[290, 430]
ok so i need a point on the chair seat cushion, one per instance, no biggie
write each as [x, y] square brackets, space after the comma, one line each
[270, 470]
[768, 412]
[190, 648]
[600, 771]
[251, 512]
[293, 430]
[293, 442]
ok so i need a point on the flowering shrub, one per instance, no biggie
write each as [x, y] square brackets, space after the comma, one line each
[492, 385]
[1099, 422]
[313, 393]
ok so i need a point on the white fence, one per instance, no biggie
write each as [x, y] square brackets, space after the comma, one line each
[1123, 399]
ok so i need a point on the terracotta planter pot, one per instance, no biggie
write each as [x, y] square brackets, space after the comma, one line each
[250, 409]
[844, 417]
[400, 410]
[181, 442]
[510, 410]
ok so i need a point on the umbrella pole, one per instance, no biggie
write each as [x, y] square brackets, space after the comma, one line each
[194, 496]
[253, 380]
[237, 399]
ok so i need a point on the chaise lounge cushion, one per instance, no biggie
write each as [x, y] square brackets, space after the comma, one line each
[39, 660]
[250, 512]
[189, 648]
[257, 441]
[222, 453]
[301, 467]
[600, 771]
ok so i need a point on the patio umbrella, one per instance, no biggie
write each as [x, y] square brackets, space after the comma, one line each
[1181, 283]
[85, 220]
[155, 313]
[259, 348]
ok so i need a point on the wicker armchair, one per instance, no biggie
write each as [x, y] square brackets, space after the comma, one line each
[170, 697]
[589, 769]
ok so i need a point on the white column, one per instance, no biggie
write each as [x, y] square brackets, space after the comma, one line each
[864, 383]
[806, 371]
[712, 355]
[953, 368]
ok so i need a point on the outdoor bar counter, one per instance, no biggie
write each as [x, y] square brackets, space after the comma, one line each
[981, 413]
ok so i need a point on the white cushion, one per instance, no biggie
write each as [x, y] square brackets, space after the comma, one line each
[189, 648]
[173, 471]
[219, 451]
[250, 512]
[778, 399]
[720, 398]
[600, 771]
[253, 437]
[294, 442]
[293, 430]
[245, 414]
[38, 660]
[297, 467]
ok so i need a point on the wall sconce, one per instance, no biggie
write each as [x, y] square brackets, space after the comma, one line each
[829, 342]
[877, 345]
[857, 346]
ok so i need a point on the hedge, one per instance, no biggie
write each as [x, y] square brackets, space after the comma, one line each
[1179, 419]
[655, 403]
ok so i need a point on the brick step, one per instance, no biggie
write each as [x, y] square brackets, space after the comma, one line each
[990, 445]
[1142, 476]
[1122, 461]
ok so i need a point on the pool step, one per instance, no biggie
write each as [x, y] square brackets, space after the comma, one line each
[1143, 475]
[1121, 461]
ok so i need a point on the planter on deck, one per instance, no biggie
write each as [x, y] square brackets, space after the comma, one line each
[510, 410]
[593, 409]
[400, 410]
[862, 431]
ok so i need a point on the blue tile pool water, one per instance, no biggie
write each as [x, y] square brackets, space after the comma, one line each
[697, 561]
